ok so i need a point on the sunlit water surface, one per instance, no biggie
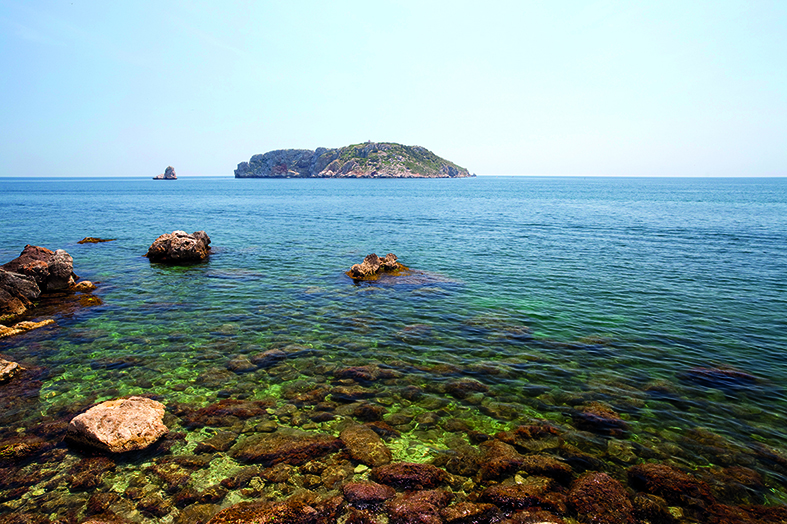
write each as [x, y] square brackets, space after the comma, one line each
[552, 292]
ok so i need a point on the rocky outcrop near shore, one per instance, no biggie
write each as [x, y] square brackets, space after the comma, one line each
[179, 247]
[35, 271]
[51, 270]
[368, 160]
[373, 267]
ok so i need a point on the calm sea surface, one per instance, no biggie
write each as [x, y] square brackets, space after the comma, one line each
[551, 293]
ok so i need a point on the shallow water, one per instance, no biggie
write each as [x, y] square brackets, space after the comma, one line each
[550, 292]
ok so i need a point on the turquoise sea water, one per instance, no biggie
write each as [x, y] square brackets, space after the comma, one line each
[550, 292]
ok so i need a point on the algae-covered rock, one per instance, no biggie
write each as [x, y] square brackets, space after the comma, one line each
[409, 475]
[600, 499]
[367, 494]
[365, 446]
[289, 446]
[367, 160]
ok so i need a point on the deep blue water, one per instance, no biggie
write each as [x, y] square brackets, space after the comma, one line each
[550, 291]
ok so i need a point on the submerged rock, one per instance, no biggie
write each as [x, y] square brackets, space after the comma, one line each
[291, 447]
[367, 494]
[532, 492]
[120, 425]
[724, 378]
[373, 267]
[418, 507]
[469, 512]
[600, 418]
[409, 475]
[365, 446]
[179, 247]
[600, 499]
[675, 486]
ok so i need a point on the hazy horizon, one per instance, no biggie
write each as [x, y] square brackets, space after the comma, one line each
[597, 88]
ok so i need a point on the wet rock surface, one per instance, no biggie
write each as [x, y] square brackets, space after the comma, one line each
[409, 476]
[290, 446]
[598, 498]
[365, 446]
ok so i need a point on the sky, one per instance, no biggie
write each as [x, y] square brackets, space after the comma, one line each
[590, 88]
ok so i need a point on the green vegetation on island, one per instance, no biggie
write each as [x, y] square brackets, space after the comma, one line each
[367, 160]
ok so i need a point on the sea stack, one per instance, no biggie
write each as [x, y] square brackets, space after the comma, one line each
[169, 174]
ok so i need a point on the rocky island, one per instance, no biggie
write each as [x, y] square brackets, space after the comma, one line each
[168, 174]
[368, 160]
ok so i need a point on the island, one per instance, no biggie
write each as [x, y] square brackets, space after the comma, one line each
[367, 160]
[169, 174]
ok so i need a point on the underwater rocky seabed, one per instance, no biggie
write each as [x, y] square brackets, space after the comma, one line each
[514, 406]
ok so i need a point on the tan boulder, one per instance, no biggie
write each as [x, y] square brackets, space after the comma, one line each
[120, 425]
[8, 369]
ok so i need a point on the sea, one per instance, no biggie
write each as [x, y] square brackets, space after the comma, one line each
[658, 303]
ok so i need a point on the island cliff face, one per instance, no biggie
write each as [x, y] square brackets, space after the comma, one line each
[369, 160]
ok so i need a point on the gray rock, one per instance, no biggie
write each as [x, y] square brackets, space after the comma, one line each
[17, 293]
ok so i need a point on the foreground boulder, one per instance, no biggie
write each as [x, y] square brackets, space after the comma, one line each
[373, 267]
[120, 425]
[179, 247]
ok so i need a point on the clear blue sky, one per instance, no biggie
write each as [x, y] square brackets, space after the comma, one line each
[667, 88]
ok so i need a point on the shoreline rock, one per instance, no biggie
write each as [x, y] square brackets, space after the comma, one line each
[36, 272]
[179, 248]
[51, 270]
